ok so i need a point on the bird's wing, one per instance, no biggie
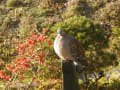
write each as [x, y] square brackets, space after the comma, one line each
[78, 51]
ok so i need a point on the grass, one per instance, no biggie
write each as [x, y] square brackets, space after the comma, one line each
[56, 84]
[52, 84]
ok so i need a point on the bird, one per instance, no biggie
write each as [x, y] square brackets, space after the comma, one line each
[68, 48]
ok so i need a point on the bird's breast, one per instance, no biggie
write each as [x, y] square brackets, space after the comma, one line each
[62, 49]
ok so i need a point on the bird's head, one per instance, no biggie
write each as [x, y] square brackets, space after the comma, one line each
[61, 32]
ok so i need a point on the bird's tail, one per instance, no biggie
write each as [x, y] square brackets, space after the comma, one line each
[80, 71]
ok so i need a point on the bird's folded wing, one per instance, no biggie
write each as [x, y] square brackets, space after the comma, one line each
[78, 51]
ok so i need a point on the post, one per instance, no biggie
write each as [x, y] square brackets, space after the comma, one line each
[70, 80]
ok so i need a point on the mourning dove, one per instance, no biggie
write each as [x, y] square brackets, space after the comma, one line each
[68, 48]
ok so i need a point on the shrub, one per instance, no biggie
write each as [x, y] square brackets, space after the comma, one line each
[77, 8]
[14, 3]
[31, 56]
[116, 39]
[51, 3]
[110, 14]
[83, 29]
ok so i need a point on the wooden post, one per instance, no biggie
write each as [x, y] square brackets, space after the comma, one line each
[70, 80]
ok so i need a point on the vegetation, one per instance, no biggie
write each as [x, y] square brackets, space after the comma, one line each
[28, 29]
